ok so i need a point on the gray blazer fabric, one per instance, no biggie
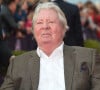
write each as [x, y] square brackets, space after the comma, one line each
[79, 70]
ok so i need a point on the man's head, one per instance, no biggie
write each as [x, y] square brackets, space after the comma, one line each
[11, 4]
[49, 24]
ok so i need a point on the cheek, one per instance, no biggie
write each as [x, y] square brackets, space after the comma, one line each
[56, 35]
[37, 33]
[36, 29]
[58, 32]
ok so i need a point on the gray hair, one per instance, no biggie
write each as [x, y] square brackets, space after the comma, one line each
[50, 5]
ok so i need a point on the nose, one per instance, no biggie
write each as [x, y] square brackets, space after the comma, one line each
[46, 26]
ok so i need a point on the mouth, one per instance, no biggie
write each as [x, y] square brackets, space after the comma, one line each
[46, 35]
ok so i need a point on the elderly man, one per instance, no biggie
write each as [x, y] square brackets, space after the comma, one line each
[53, 66]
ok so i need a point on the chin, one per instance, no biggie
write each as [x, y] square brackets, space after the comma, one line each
[46, 41]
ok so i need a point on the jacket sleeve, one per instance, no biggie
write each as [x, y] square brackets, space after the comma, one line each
[8, 81]
[9, 19]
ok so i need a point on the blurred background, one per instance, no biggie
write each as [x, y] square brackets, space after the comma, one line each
[76, 1]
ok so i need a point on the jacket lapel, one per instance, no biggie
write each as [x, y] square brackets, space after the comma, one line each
[34, 69]
[69, 64]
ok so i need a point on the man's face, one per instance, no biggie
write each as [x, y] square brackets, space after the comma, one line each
[13, 5]
[48, 28]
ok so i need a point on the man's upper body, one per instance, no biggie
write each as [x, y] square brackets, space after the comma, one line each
[74, 36]
[24, 71]
[54, 66]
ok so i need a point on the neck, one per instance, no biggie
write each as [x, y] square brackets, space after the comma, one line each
[49, 48]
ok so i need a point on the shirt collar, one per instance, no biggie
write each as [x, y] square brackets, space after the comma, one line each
[58, 51]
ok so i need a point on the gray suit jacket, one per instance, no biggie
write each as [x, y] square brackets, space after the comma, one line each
[79, 70]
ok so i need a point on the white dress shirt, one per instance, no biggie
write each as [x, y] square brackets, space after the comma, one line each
[51, 70]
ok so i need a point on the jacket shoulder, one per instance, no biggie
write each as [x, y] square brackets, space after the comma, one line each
[21, 62]
[83, 48]
[78, 48]
[82, 53]
[26, 56]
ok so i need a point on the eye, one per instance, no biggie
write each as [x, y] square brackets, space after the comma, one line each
[39, 23]
[51, 22]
